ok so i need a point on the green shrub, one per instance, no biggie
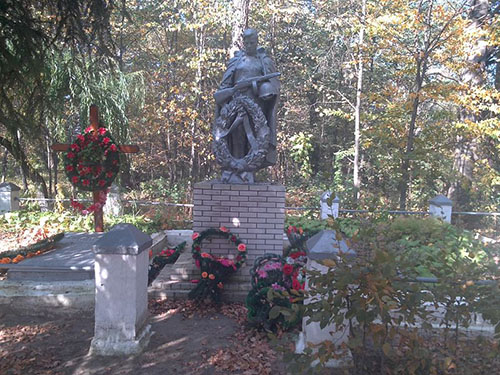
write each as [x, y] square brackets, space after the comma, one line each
[381, 300]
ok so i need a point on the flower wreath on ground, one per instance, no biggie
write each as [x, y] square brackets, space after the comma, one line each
[277, 286]
[91, 164]
[166, 256]
[215, 270]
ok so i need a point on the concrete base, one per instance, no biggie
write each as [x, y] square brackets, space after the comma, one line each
[44, 298]
[111, 345]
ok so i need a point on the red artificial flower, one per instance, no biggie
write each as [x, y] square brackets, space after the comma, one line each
[288, 269]
[205, 255]
[197, 248]
[211, 276]
[80, 137]
[238, 258]
[101, 183]
[224, 229]
[233, 238]
[74, 147]
[242, 247]
[106, 140]
[70, 168]
[74, 179]
[88, 129]
[101, 131]
[204, 275]
[220, 285]
[109, 174]
[195, 236]
[70, 155]
[296, 285]
[113, 148]
[85, 182]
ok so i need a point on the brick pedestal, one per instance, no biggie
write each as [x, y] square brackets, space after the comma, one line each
[256, 213]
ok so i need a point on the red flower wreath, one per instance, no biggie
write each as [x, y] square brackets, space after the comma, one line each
[93, 207]
[93, 160]
[215, 270]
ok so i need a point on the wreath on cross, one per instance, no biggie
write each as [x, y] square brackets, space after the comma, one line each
[242, 106]
[91, 164]
[215, 270]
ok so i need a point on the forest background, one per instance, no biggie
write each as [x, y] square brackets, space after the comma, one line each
[388, 102]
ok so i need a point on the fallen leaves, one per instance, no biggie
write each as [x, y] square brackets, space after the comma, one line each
[248, 352]
[20, 356]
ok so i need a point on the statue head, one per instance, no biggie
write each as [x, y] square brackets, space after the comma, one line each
[250, 40]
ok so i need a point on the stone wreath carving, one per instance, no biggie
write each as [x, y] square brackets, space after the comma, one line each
[241, 111]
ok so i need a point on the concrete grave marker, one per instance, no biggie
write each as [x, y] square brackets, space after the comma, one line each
[9, 197]
[121, 300]
[441, 207]
[324, 245]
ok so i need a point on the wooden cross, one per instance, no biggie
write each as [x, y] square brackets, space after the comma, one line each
[127, 149]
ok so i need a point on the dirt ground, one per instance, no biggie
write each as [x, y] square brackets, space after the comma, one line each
[186, 340]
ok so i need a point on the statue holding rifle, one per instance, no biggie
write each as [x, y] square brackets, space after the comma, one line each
[245, 125]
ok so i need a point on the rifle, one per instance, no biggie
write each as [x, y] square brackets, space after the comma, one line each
[221, 96]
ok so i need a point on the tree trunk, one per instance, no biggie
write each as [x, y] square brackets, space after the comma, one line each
[27, 171]
[200, 46]
[465, 151]
[405, 163]
[4, 165]
[240, 23]
[357, 109]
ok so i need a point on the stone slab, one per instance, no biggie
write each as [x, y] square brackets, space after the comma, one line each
[71, 260]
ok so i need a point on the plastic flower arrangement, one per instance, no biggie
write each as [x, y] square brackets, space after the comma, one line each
[91, 164]
[276, 281]
[166, 256]
[215, 270]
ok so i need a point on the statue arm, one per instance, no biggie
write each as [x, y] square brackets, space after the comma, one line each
[227, 78]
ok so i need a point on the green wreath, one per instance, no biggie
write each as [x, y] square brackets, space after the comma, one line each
[215, 270]
[93, 160]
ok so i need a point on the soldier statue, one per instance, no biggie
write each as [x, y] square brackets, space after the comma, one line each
[245, 126]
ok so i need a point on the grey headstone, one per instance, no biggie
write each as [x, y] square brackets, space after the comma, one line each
[9, 197]
[324, 245]
[326, 195]
[440, 200]
[123, 239]
[8, 186]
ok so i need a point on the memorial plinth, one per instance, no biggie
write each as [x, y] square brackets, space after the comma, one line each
[255, 212]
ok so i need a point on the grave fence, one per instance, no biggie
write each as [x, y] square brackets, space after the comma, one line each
[315, 211]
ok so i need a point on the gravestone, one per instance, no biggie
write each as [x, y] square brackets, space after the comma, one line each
[325, 245]
[113, 206]
[121, 300]
[329, 209]
[9, 197]
[441, 207]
